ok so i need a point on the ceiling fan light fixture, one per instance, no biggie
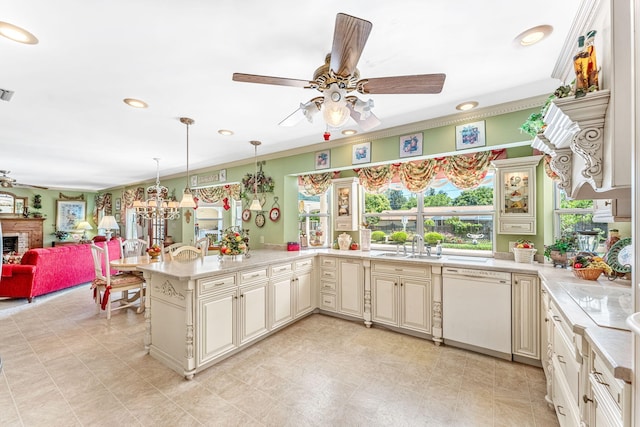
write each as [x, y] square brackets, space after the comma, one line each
[363, 108]
[334, 107]
[533, 35]
[468, 105]
[135, 103]
[17, 34]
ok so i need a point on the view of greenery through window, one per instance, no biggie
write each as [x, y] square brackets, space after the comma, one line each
[459, 219]
[574, 216]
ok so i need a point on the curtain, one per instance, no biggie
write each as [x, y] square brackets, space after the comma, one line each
[103, 202]
[315, 184]
[130, 196]
[468, 171]
[375, 179]
[219, 192]
[416, 176]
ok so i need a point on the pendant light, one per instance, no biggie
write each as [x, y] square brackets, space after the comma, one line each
[187, 198]
[255, 203]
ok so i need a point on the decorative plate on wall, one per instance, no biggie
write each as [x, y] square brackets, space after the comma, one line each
[246, 215]
[620, 256]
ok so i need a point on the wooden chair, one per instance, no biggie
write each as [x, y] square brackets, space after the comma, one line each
[133, 247]
[166, 251]
[105, 284]
[187, 253]
[203, 244]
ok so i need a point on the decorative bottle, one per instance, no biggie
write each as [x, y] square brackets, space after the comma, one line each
[581, 65]
[592, 65]
[438, 249]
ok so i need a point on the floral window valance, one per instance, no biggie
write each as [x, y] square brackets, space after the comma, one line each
[464, 171]
[315, 184]
[217, 193]
[130, 196]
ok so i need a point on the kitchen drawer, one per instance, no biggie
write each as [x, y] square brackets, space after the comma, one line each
[213, 284]
[564, 352]
[327, 274]
[327, 301]
[279, 269]
[328, 262]
[253, 275]
[518, 227]
[304, 264]
[602, 375]
[402, 269]
[327, 286]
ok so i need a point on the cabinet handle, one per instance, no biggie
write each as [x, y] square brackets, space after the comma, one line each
[600, 378]
[558, 410]
[255, 274]
[561, 359]
[585, 399]
[557, 318]
[607, 202]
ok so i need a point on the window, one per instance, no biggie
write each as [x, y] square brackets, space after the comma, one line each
[314, 220]
[574, 216]
[462, 220]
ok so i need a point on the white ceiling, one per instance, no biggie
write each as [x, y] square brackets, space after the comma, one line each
[67, 127]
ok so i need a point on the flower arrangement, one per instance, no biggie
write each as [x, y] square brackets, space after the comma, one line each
[61, 235]
[154, 251]
[234, 241]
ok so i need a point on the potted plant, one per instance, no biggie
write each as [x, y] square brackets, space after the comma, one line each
[561, 249]
[37, 205]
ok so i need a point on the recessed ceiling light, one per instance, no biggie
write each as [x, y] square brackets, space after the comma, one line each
[135, 103]
[466, 105]
[349, 132]
[533, 35]
[17, 34]
[225, 132]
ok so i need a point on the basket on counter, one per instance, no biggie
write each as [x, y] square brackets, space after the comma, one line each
[587, 273]
[524, 255]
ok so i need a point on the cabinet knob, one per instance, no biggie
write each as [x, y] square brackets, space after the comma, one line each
[607, 202]
[585, 399]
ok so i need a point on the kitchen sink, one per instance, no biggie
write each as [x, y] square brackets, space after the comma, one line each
[424, 256]
[392, 255]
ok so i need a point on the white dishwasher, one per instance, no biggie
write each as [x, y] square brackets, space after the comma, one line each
[476, 310]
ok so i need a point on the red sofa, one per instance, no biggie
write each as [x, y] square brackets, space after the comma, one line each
[45, 270]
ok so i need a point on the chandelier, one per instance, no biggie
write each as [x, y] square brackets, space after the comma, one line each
[157, 206]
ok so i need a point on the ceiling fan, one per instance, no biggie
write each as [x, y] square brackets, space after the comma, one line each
[338, 76]
[8, 182]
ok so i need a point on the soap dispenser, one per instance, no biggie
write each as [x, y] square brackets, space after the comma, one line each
[438, 249]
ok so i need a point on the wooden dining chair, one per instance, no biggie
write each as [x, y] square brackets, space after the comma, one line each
[133, 247]
[105, 284]
[186, 253]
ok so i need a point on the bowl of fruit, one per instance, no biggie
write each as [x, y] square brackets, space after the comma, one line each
[154, 251]
[523, 251]
[589, 267]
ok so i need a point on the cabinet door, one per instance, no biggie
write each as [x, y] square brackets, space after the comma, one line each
[217, 317]
[384, 299]
[415, 297]
[351, 288]
[302, 291]
[281, 301]
[525, 298]
[253, 312]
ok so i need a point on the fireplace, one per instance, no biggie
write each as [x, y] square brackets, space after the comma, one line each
[28, 232]
[9, 244]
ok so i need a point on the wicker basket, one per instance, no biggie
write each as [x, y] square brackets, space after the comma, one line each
[587, 273]
[524, 255]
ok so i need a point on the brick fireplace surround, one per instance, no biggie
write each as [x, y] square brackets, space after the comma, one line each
[27, 230]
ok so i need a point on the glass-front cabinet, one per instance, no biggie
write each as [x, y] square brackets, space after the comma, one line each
[516, 194]
[345, 193]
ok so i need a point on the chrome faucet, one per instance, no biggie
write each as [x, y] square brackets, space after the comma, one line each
[420, 241]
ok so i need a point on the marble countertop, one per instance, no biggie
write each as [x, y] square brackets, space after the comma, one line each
[614, 345]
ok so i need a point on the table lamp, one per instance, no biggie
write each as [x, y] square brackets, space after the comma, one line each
[84, 226]
[108, 223]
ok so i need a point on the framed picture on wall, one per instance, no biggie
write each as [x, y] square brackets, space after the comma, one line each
[411, 145]
[470, 135]
[69, 213]
[361, 153]
[323, 159]
[118, 204]
[117, 217]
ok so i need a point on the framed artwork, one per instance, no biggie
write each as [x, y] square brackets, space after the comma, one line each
[470, 135]
[323, 159]
[361, 153]
[118, 204]
[411, 145]
[69, 213]
[117, 217]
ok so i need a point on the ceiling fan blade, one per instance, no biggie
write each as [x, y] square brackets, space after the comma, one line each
[267, 80]
[293, 118]
[15, 184]
[349, 37]
[419, 83]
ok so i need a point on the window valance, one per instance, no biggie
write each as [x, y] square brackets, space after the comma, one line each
[219, 192]
[315, 184]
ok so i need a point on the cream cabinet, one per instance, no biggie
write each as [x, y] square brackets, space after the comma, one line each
[612, 210]
[303, 301]
[525, 309]
[401, 295]
[217, 320]
[280, 290]
[345, 206]
[608, 399]
[252, 300]
[350, 290]
[327, 280]
[515, 200]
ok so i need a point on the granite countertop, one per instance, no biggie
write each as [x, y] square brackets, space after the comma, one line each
[614, 345]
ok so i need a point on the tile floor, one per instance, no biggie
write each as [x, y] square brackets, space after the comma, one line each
[65, 365]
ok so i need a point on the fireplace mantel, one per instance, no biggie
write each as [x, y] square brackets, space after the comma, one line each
[31, 226]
